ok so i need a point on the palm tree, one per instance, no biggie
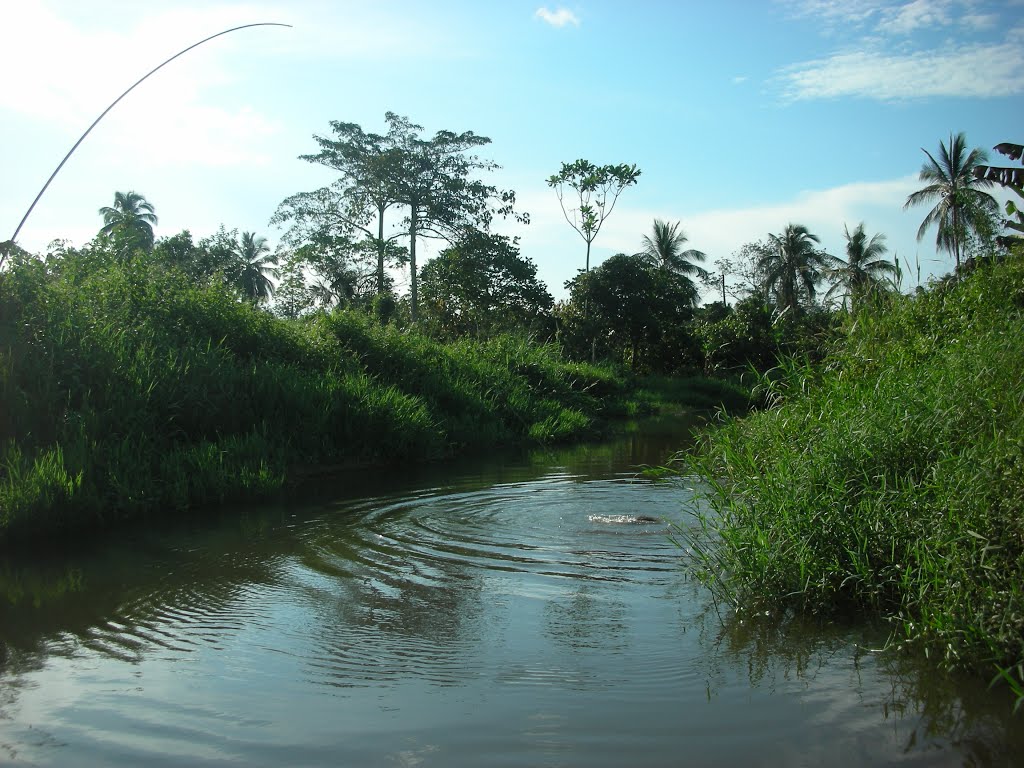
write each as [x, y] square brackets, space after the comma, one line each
[865, 268]
[793, 264]
[255, 266]
[961, 207]
[131, 220]
[664, 250]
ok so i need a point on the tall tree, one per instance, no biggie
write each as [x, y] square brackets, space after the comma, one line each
[357, 202]
[793, 265]
[253, 268]
[865, 268]
[130, 221]
[597, 189]
[664, 249]
[322, 233]
[435, 181]
[961, 207]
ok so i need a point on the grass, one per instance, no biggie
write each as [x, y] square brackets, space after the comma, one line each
[127, 392]
[890, 480]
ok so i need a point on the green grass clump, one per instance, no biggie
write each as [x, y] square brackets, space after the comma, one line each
[127, 391]
[890, 480]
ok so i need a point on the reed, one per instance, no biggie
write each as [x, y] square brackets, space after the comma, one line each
[889, 481]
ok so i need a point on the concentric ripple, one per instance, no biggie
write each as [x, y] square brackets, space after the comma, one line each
[539, 618]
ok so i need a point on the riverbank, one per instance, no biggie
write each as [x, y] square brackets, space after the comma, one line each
[129, 392]
[889, 481]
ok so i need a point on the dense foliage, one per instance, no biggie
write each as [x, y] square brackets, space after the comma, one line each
[891, 479]
[127, 388]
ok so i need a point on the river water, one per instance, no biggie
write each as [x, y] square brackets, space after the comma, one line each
[505, 611]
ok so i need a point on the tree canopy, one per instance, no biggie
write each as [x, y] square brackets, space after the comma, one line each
[1011, 178]
[794, 266]
[864, 271]
[597, 189]
[961, 206]
[482, 285]
[130, 221]
[432, 180]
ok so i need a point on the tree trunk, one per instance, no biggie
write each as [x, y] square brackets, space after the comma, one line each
[412, 263]
[380, 251]
[956, 241]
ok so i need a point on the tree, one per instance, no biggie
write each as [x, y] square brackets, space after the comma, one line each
[597, 190]
[744, 267]
[619, 300]
[342, 265]
[793, 266]
[1013, 179]
[665, 252]
[481, 286]
[369, 165]
[200, 262]
[639, 311]
[435, 181]
[130, 222]
[864, 270]
[960, 203]
[253, 268]
[432, 179]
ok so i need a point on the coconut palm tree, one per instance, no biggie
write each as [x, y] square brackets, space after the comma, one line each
[864, 270]
[961, 207]
[793, 265]
[130, 220]
[664, 250]
[254, 268]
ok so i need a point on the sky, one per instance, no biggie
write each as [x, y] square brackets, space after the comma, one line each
[743, 117]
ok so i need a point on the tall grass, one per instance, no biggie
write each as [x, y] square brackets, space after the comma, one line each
[890, 480]
[125, 391]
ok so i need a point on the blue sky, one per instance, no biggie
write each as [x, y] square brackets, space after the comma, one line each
[742, 116]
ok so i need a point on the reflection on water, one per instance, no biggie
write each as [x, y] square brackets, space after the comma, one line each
[527, 610]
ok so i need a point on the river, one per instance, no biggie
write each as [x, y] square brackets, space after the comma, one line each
[493, 611]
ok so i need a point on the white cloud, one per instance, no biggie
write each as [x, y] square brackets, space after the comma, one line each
[557, 18]
[972, 71]
[892, 18]
[919, 14]
[836, 11]
[980, 21]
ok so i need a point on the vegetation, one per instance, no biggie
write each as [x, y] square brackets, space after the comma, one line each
[864, 272]
[130, 222]
[890, 480]
[433, 179]
[128, 390]
[663, 249]
[481, 287]
[793, 266]
[1012, 179]
[961, 207]
[597, 189]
